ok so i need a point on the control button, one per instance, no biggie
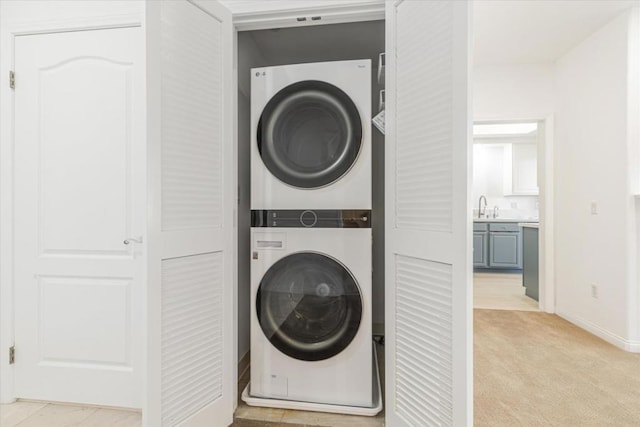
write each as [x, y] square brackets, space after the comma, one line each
[308, 218]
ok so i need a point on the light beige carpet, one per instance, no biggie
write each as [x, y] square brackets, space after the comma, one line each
[536, 369]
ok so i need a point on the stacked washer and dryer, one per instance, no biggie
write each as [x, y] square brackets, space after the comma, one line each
[311, 267]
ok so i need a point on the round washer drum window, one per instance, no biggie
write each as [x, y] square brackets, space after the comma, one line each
[309, 134]
[309, 306]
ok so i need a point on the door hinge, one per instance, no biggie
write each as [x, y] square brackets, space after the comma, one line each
[12, 355]
[12, 79]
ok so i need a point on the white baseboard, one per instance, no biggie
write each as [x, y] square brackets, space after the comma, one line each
[632, 346]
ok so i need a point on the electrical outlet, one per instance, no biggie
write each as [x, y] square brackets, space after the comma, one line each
[594, 208]
[594, 290]
[514, 205]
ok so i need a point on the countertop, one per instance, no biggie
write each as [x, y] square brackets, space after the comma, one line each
[518, 220]
[529, 224]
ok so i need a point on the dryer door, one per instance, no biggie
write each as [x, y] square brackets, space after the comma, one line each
[309, 134]
[309, 306]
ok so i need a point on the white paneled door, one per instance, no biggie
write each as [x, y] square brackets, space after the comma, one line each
[191, 305]
[428, 272]
[79, 193]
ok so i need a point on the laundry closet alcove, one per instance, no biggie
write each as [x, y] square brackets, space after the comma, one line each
[188, 238]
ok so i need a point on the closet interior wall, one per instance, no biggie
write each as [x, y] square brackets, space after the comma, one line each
[282, 46]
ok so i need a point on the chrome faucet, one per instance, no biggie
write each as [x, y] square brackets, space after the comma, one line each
[495, 211]
[481, 209]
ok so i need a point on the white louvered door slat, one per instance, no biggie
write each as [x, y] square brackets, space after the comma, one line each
[428, 254]
[191, 279]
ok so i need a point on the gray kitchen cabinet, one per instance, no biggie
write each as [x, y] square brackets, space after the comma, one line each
[480, 226]
[505, 249]
[497, 245]
[530, 278]
[480, 242]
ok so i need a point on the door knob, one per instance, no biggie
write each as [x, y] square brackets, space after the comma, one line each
[134, 240]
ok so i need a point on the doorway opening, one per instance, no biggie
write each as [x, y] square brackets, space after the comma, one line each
[506, 214]
[273, 47]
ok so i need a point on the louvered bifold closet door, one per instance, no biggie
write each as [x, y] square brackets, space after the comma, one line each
[191, 351]
[428, 214]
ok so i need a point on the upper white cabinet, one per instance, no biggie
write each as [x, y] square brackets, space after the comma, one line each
[520, 169]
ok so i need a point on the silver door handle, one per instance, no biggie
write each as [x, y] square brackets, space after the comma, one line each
[131, 239]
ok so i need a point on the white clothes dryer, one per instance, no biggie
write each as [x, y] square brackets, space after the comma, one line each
[311, 307]
[311, 136]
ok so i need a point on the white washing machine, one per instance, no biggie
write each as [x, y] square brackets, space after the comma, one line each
[311, 136]
[311, 307]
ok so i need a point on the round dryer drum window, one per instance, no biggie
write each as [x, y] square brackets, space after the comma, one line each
[309, 306]
[309, 134]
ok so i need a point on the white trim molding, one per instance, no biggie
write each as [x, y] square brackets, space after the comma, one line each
[293, 15]
[77, 24]
[632, 346]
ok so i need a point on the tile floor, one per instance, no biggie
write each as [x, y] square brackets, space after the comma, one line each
[501, 291]
[42, 414]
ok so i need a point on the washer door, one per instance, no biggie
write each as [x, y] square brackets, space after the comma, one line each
[309, 306]
[309, 134]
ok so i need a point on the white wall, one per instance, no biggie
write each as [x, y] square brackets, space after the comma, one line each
[592, 150]
[513, 91]
[15, 13]
[489, 180]
[633, 161]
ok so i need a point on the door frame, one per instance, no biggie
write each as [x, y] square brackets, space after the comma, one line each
[368, 10]
[546, 173]
[8, 36]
